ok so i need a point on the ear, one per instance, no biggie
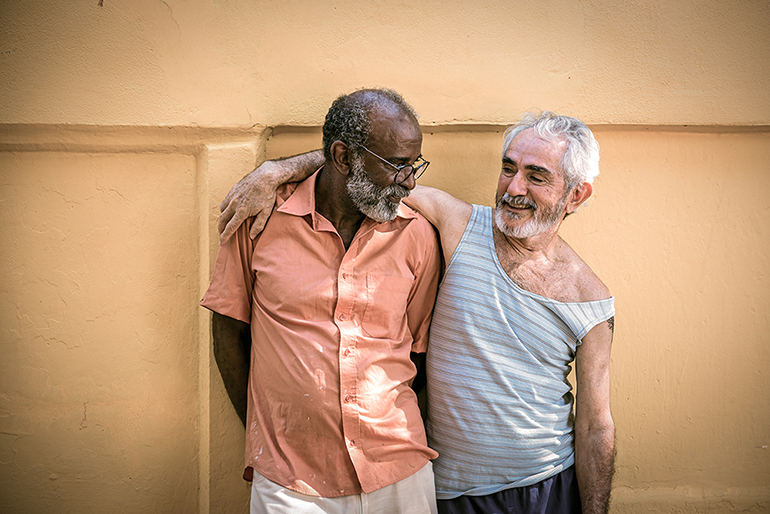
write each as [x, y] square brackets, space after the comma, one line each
[340, 157]
[577, 196]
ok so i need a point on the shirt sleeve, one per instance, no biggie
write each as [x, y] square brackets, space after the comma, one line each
[422, 298]
[232, 282]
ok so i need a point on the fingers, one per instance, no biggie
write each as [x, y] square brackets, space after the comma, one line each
[229, 197]
[259, 223]
[239, 204]
[230, 220]
[229, 230]
[225, 216]
[234, 216]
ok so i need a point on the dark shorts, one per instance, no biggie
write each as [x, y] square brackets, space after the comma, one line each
[556, 495]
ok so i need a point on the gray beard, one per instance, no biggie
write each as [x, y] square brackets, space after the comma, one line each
[371, 199]
[544, 218]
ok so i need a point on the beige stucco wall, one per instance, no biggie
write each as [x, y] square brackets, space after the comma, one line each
[239, 62]
[122, 125]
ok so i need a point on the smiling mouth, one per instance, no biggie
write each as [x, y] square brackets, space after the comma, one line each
[518, 207]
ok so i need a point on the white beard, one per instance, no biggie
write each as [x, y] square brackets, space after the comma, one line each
[544, 217]
[371, 199]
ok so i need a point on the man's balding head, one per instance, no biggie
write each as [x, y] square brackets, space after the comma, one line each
[350, 116]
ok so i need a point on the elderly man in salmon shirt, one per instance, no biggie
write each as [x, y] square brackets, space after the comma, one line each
[320, 323]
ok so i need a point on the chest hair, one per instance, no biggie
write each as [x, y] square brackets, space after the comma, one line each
[549, 278]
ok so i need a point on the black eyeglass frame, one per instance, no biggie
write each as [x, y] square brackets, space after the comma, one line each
[417, 170]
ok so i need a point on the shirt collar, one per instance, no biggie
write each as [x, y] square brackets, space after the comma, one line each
[301, 202]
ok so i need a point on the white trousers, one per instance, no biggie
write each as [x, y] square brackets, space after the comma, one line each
[413, 495]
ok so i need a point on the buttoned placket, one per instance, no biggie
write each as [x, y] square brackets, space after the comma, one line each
[351, 300]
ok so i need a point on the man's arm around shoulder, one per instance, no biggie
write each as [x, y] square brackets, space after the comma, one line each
[254, 194]
[448, 214]
[594, 427]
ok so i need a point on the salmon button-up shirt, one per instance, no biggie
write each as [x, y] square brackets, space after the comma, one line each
[331, 412]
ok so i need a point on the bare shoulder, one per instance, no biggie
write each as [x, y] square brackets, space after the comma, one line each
[438, 207]
[585, 285]
[448, 214]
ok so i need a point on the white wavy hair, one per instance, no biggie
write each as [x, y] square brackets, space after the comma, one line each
[580, 162]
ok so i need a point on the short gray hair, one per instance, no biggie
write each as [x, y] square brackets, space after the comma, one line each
[349, 117]
[580, 162]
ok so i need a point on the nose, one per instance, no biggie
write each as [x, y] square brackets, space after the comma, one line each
[517, 186]
[410, 181]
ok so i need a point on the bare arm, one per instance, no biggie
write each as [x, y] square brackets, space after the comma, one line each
[232, 351]
[448, 214]
[254, 194]
[594, 427]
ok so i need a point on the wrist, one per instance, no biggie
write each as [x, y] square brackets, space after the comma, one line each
[272, 174]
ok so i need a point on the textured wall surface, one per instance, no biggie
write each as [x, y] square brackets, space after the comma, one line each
[275, 62]
[123, 124]
[99, 366]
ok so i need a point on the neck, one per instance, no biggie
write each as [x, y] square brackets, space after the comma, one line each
[333, 203]
[539, 246]
[332, 200]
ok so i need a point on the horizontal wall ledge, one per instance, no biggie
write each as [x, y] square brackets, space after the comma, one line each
[121, 139]
[188, 139]
[479, 127]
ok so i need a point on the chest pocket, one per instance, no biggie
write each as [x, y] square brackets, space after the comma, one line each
[385, 312]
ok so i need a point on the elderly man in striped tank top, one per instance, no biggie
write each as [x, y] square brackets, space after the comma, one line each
[517, 307]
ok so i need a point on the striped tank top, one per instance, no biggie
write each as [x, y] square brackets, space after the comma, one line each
[499, 402]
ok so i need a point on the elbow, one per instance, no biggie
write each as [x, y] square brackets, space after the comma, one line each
[602, 426]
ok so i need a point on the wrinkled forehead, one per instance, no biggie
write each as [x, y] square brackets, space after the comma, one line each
[531, 146]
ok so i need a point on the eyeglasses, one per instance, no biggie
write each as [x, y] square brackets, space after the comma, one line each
[417, 168]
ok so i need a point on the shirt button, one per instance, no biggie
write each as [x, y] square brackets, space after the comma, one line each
[342, 317]
[345, 352]
[347, 398]
[344, 276]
